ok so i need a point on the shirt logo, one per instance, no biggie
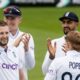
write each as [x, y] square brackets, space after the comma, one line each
[14, 54]
[9, 66]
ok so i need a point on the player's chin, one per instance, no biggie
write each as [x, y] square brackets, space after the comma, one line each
[3, 44]
[66, 31]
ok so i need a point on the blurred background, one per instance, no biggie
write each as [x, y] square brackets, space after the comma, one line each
[41, 19]
[56, 3]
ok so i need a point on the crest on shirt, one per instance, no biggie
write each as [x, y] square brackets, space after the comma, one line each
[14, 54]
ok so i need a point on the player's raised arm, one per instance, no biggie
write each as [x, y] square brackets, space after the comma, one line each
[25, 39]
[51, 49]
[50, 55]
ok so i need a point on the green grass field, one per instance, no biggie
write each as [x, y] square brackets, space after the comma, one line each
[42, 23]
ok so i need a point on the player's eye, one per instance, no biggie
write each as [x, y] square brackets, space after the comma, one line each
[1, 33]
[7, 32]
[67, 22]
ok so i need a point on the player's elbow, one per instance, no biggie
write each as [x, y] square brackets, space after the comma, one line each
[31, 65]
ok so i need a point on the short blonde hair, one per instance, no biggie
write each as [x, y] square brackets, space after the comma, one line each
[74, 38]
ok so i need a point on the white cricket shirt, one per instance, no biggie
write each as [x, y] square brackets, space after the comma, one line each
[59, 53]
[28, 59]
[65, 68]
[9, 64]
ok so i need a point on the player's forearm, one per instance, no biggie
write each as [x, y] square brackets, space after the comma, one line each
[46, 65]
[21, 74]
[30, 59]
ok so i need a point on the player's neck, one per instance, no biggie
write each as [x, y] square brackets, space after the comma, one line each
[13, 32]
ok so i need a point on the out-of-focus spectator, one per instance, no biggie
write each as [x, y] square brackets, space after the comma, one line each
[63, 3]
[4, 3]
[76, 1]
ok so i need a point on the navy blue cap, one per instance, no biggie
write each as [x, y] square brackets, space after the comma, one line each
[12, 11]
[69, 15]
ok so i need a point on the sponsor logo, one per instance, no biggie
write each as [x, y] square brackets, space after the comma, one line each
[9, 66]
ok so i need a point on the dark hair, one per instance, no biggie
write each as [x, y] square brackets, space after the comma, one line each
[2, 23]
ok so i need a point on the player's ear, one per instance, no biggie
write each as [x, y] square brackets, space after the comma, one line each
[69, 45]
[4, 19]
[77, 24]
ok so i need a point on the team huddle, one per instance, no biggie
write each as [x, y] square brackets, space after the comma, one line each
[62, 59]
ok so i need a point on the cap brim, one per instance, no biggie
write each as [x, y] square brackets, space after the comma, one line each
[62, 18]
[11, 15]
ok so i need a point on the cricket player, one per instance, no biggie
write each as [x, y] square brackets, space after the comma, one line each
[69, 23]
[12, 15]
[10, 60]
[68, 67]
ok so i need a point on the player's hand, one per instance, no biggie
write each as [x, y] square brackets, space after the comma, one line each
[65, 48]
[18, 40]
[25, 40]
[51, 49]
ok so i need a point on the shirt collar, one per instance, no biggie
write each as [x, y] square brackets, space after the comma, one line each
[14, 36]
[73, 53]
[2, 49]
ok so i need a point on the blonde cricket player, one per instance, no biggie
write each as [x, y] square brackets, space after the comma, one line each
[68, 67]
[12, 15]
[10, 60]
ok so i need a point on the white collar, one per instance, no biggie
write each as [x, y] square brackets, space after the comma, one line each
[73, 53]
[14, 36]
[2, 49]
